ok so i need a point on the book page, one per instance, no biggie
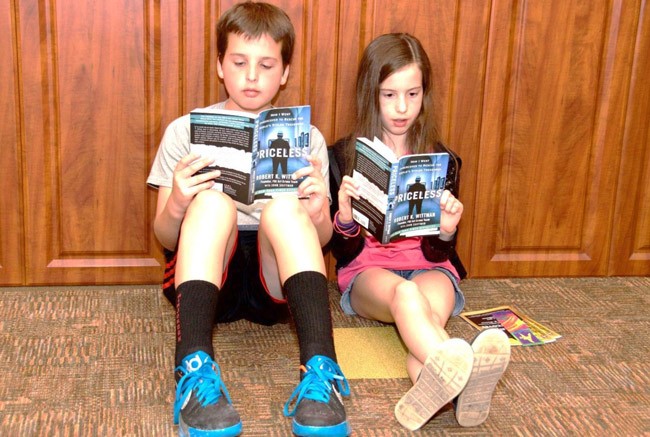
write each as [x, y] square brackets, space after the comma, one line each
[372, 173]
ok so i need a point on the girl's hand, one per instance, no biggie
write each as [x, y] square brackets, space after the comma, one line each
[312, 189]
[451, 209]
[187, 183]
[349, 189]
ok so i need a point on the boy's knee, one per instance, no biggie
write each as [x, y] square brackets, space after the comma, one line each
[284, 211]
[209, 208]
[212, 202]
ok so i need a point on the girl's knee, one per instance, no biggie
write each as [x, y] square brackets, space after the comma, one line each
[407, 297]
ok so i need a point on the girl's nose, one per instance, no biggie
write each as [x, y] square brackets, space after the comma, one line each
[401, 104]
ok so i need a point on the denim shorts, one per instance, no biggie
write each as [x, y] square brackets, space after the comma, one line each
[459, 303]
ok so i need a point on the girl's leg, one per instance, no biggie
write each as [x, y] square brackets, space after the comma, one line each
[419, 308]
[438, 366]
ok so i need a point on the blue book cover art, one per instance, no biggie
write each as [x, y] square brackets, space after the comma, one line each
[283, 144]
[414, 206]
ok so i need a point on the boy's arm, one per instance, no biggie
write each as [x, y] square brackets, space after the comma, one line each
[314, 192]
[167, 223]
[173, 202]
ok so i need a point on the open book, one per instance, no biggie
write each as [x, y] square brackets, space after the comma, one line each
[256, 153]
[520, 328]
[398, 197]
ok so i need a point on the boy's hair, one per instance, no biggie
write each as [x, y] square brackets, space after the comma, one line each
[252, 20]
[384, 56]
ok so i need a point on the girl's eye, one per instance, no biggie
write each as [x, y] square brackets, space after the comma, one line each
[266, 66]
[387, 95]
[239, 63]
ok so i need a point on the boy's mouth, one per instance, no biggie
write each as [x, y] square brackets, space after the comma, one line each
[250, 92]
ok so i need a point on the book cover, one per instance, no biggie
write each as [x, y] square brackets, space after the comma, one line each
[398, 197]
[256, 154]
[520, 328]
[414, 208]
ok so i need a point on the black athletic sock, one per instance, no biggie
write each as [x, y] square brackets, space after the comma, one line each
[307, 296]
[196, 305]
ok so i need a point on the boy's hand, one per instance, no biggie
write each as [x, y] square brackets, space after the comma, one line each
[451, 209]
[187, 183]
[349, 189]
[312, 190]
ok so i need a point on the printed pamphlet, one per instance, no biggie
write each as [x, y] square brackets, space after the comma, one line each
[256, 154]
[520, 328]
[398, 197]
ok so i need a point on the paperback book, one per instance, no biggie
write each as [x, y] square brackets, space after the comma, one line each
[520, 328]
[399, 197]
[256, 154]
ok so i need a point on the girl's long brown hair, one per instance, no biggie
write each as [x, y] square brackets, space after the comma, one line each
[384, 56]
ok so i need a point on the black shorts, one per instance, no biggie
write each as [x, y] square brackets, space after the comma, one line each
[243, 295]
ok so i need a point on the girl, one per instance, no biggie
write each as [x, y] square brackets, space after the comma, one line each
[412, 282]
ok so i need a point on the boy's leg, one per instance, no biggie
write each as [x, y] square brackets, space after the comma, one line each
[292, 261]
[208, 233]
[294, 270]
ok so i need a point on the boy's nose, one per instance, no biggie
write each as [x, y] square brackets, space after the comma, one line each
[251, 75]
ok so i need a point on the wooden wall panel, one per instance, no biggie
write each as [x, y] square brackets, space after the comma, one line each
[546, 102]
[11, 199]
[630, 248]
[464, 105]
[84, 127]
[551, 121]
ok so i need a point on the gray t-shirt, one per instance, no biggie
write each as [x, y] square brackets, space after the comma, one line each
[175, 145]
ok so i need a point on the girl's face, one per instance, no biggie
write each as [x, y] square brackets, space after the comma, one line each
[400, 101]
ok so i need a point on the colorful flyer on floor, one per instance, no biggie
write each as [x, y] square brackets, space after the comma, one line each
[521, 329]
[517, 327]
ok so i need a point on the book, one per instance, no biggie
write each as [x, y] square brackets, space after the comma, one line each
[521, 329]
[256, 154]
[399, 197]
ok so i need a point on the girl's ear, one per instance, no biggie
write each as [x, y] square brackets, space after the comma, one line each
[285, 75]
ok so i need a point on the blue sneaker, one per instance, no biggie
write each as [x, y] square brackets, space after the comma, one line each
[316, 412]
[203, 407]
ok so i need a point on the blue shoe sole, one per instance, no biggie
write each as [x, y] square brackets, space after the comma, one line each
[186, 431]
[340, 430]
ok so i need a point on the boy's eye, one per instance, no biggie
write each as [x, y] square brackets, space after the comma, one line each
[267, 66]
[239, 63]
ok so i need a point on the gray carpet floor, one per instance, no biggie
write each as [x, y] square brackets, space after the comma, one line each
[97, 361]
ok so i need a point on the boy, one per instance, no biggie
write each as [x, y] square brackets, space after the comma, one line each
[228, 261]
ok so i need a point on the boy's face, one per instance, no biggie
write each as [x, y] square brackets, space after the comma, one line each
[252, 72]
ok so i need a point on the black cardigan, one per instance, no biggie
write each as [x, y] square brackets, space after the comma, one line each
[346, 249]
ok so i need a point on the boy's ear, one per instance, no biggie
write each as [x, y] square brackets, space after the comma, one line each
[219, 69]
[285, 75]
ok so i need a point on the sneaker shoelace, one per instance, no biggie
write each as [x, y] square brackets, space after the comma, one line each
[205, 382]
[317, 383]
